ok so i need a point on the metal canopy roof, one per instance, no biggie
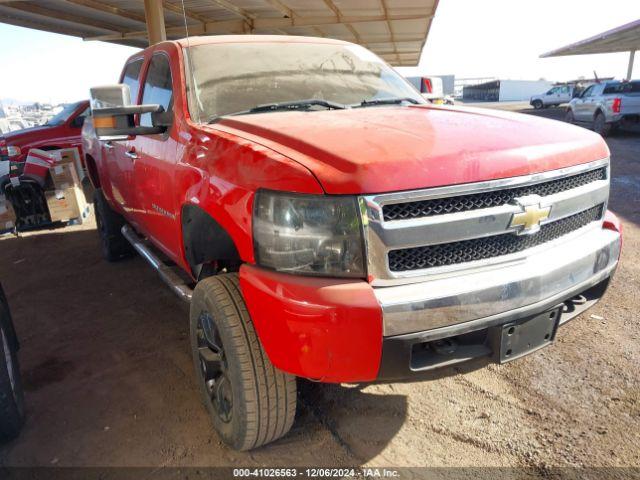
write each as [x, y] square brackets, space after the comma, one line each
[621, 39]
[394, 29]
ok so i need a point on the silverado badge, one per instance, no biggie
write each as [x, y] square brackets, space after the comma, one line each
[528, 220]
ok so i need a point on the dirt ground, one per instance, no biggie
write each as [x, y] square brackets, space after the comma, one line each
[109, 380]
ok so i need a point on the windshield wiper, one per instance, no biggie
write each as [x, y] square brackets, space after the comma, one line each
[283, 106]
[387, 101]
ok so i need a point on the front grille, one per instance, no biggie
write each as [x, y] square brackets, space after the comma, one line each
[489, 247]
[475, 201]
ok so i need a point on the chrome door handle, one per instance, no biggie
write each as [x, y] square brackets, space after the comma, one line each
[108, 145]
[131, 154]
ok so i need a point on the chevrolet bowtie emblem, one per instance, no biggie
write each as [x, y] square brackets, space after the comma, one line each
[528, 221]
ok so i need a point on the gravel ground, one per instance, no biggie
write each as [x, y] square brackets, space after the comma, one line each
[109, 380]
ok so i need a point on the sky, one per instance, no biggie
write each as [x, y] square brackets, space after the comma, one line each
[468, 38]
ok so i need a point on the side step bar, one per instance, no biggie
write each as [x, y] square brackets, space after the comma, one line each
[168, 276]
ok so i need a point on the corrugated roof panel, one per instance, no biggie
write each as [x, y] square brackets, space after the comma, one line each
[621, 39]
[359, 7]
[395, 26]
[309, 8]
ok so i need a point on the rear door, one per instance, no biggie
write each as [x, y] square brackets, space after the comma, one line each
[117, 154]
[565, 94]
[155, 160]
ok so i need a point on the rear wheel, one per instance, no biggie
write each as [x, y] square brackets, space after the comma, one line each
[600, 125]
[250, 402]
[11, 395]
[114, 245]
[537, 104]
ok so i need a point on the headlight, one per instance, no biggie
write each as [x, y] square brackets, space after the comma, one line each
[13, 151]
[308, 234]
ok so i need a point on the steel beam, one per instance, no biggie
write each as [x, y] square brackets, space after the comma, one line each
[154, 15]
[632, 56]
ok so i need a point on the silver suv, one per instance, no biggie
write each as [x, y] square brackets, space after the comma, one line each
[606, 106]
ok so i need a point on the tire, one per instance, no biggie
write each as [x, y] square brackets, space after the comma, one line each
[114, 245]
[11, 394]
[568, 117]
[537, 104]
[250, 402]
[600, 125]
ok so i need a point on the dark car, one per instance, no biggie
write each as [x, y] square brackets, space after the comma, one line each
[11, 395]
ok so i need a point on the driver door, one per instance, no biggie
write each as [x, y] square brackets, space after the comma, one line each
[579, 108]
[156, 157]
[551, 96]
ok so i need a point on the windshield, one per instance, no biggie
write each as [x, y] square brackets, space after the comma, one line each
[62, 116]
[232, 78]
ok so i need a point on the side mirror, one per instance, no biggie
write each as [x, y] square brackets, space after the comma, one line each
[114, 116]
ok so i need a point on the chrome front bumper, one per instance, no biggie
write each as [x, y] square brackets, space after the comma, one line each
[461, 303]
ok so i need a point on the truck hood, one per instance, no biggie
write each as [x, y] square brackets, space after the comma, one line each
[383, 149]
[20, 137]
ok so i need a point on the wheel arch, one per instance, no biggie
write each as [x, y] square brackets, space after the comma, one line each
[205, 240]
[92, 171]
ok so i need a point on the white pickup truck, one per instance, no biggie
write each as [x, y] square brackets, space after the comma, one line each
[606, 106]
[556, 96]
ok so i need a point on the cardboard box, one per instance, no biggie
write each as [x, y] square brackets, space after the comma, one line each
[7, 215]
[69, 155]
[67, 204]
[64, 176]
[37, 164]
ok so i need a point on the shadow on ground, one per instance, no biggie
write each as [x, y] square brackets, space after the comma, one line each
[108, 374]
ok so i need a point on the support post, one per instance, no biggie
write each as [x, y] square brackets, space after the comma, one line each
[632, 55]
[154, 16]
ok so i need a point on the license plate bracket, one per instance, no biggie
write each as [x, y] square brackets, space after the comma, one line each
[521, 338]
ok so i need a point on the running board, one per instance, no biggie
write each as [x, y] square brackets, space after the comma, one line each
[168, 276]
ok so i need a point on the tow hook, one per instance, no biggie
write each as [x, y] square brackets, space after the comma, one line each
[570, 305]
[445, 346]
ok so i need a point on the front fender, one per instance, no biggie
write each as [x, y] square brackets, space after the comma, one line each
[220, 174]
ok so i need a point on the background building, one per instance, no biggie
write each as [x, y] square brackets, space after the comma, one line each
[505, 90]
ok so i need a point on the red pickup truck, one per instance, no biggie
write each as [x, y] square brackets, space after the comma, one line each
[324, 221]
[63, 130]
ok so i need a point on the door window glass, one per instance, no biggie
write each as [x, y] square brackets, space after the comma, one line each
[79, 120]
[131, 77]
[157, 87]
[588, 92]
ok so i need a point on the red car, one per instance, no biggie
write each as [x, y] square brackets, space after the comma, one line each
[335, 226]
[64, 130]
[61, 131]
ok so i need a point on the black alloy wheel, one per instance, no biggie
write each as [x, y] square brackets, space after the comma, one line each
[214, 367]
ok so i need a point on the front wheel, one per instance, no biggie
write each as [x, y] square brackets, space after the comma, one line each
[568, 117]
[537, 104]
[250, 402]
